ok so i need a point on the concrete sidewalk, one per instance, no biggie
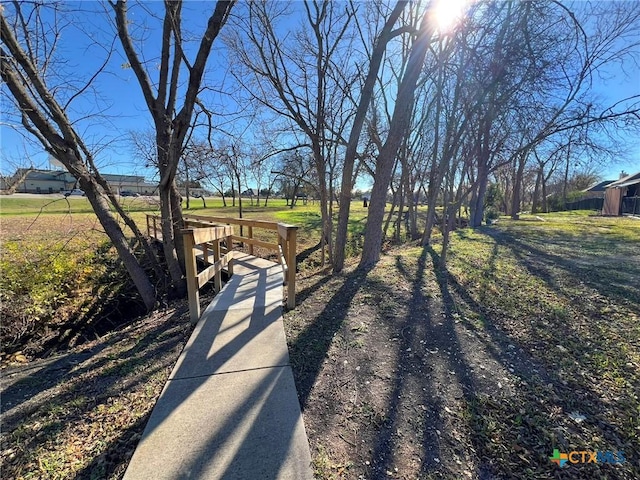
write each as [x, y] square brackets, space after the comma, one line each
[230, 409]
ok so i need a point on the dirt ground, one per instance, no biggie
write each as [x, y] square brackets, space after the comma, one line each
[403, 373]
[388, 400]
[80, 413]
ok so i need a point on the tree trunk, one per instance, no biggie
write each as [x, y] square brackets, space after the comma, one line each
[170, 208]
[411, 209]
[168, 243]
[394, 196]
[436, 173]
[565, 183]
[477, 203]
[354, 136]
[178, 225]
[535, 204]
[432, 200]
[186, 186]
[224, 199]
[517, 186]
[545, 205]
[327, 224]
[239, 200]
[400, 122]
[117, 237]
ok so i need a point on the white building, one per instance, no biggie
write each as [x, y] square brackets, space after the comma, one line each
[56, 181]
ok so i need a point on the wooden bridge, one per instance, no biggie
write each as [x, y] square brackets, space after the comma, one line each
[230, 409]
[210, 241]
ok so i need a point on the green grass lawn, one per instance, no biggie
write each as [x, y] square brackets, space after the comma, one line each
[528, 342]
[12, 205]
[566, 292]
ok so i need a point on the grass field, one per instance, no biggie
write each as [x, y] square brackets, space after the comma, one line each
[528, 341]
[36, 214]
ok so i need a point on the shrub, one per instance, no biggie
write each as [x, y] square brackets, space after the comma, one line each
[41, 285]
[491, 215]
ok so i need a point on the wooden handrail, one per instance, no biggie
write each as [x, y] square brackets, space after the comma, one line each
[205, 231]
[287, 238]
[204, 236]
[245, 222]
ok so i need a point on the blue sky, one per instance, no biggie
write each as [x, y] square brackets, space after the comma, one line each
[120, 105]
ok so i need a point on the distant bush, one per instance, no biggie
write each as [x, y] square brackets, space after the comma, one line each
[491, 214]
[555, 203]
[494, 197]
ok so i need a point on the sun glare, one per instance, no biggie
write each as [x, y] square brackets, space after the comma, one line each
[447, 13]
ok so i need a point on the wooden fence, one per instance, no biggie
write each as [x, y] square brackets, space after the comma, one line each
[285, 248]
[585, 204]
[631, 205]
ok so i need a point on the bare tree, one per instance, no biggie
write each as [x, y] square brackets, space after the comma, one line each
[233, 157]
[12, 183]
[543, 90]
[171, 106]
[387, 33]
[591, 39]
[293, 79]
[293, 172]
[27, 52]
[400, 121]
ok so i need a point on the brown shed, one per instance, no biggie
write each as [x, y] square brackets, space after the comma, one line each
[622, 196]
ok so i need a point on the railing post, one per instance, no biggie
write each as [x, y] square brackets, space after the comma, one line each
[230, 249]
[155, 228]
[192, 279]
[217, 279]
[250, 235]
[291, 266]
[148, 226]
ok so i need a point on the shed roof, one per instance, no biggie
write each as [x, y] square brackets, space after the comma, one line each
[599, 187]
[626, 181]
[48, 175]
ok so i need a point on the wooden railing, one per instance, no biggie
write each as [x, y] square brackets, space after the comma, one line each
[208, 238]
[285, 248]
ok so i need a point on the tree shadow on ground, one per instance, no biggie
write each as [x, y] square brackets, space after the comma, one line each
[237, 356]
[499, 344]
[307, 352]
[305, 254]
[67, 393]
[25, 384]
[411, 375]
[428, 351]
[308, 292]
[532, 423]
[544, 265]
